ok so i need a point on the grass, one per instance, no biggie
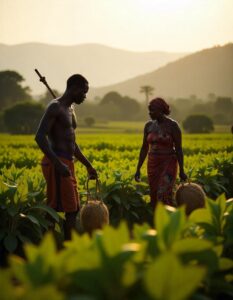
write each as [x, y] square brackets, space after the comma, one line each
[130, 127]
[113, 127]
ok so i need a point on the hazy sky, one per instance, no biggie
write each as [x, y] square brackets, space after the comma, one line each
[140, 25]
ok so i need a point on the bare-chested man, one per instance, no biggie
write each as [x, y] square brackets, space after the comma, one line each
[56, 138]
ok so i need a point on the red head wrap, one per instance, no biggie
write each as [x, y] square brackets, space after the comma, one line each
[160, 104]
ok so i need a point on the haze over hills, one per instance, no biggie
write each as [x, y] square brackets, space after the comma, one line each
[102, 65]
[201, 73]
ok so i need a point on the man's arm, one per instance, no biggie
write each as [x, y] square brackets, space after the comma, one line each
[81, 157]
[45, 125]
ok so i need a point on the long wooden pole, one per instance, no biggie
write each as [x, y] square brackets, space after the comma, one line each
[43, 80]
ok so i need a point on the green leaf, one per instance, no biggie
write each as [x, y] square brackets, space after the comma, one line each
[116, 198]
[10, 242]
[217, 209]
[191, 245]
[167, 279]
[48, 291]
[169, 225]
[152, 248]
[40, 218]
[135, 214]
[201, 215]
[221, 200]
[129, 275]
[6, 287]
[83, 247]
[47, 209]
[114, 238]
[33, 219]
[176, 225]
[47, 247]
[23, 238]
[12, 210]
[161, 218]
[225, 264]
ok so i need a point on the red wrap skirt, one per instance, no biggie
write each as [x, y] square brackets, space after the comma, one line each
[62, 192]
[162, 172]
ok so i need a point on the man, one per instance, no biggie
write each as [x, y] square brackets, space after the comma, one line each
[56, 138]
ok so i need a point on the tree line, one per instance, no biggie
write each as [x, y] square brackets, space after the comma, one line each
[20, 113]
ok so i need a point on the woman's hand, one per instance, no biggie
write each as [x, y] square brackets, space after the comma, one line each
[137, 176]
[183, 176]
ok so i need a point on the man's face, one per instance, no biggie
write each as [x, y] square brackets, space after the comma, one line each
[79, 94]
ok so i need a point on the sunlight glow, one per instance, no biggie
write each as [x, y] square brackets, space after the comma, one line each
[171, 25]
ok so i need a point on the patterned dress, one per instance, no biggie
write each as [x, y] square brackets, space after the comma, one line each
[161, 165]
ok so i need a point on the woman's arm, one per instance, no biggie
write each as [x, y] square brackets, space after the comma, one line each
[177, 138]
[143, 153]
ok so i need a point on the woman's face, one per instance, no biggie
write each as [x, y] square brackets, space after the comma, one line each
[154, 112]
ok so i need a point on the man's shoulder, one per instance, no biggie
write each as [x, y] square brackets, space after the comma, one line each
[53, 103]
[53, 106]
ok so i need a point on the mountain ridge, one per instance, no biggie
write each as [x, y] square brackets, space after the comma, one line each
[206, 71]
[102, 65]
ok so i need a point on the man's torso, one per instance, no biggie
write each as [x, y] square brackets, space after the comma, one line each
[62, 133]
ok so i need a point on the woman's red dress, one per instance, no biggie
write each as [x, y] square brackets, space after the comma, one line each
[161, 165]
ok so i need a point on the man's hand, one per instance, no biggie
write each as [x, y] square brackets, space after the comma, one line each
[137, 176]
[62, 169]
[92, 174]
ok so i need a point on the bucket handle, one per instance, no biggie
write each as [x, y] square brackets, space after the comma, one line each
[188, 180]
[97, 190]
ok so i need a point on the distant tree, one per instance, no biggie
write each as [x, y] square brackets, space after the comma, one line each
[130, 107]
[205, 108]
[110, 98]
[115, 107]
[193, 98]
[183, 105]
[2, 123]
[175, 114]
[198, 124]
[148, 91]
[211, 97]
[89, 121]
[23, 118]
[224, 104]
[97, 99]
[11, 89]
[220, 119]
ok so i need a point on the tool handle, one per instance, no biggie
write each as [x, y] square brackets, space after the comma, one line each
[43, 80]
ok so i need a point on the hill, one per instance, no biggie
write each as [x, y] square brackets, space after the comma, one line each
[101, 65]
[201, 73]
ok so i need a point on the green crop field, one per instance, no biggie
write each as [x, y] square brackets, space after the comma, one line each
[140, 255]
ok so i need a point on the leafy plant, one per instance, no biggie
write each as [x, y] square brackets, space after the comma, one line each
[23, 212]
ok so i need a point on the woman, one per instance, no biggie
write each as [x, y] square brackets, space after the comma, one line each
[162, 143]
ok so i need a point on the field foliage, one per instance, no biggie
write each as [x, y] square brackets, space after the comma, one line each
[141, 255]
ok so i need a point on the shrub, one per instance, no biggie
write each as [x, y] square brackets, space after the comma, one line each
[198, 124]
[23, 118]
